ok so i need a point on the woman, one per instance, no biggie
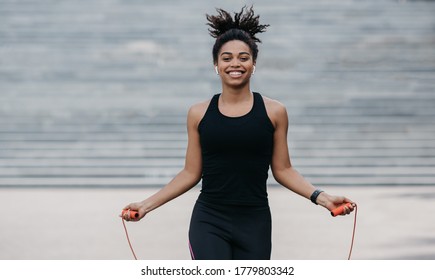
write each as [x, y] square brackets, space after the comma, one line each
[233, 138]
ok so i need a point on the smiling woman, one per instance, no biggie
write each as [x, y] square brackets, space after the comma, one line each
[235, 65]
[233, 139]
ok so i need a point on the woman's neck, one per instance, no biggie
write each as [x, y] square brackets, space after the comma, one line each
[232, 95]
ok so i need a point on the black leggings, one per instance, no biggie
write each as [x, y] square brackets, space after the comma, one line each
[230, 232]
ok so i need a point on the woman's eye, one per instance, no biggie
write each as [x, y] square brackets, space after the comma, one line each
[226, 59]
[244, 58]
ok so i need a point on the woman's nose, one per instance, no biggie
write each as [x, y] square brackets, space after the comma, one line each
[235, 63]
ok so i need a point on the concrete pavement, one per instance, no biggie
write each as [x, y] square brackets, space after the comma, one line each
[83, 224]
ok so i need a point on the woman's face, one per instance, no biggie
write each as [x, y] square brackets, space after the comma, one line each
[235, 63]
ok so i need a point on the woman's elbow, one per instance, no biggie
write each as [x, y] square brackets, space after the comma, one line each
[193, 175]
[281, 173]
[277, 174]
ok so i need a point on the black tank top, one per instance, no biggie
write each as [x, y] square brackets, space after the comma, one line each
[236, 154]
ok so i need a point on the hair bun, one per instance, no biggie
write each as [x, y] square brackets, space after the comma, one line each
[244, 20]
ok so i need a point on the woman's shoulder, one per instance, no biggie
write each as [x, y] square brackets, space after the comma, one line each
[274, 107]
[200, 107]
[197, 110]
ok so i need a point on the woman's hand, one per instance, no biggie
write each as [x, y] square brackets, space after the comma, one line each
[331, 202]
[139, 207]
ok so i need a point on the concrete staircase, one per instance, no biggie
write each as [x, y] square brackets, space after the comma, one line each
[95, 93]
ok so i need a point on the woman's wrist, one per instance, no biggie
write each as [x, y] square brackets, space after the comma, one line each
[143, 207]
[314, 196]
[322, 199]
[319, 197]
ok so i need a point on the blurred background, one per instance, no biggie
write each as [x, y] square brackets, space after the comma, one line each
[94, 97]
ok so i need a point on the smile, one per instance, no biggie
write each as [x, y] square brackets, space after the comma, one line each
[235, 74]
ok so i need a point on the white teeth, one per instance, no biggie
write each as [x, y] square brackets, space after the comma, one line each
[235, 74]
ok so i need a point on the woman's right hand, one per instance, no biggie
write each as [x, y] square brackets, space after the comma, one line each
[136, 206]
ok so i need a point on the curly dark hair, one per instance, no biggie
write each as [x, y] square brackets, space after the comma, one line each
[244, 27]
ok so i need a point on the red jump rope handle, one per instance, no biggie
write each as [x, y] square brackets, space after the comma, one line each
[340, 209]
[133, 214]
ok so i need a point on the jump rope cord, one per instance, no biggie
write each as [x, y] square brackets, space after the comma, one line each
[353, 232]
[350, 251]
[128, 238]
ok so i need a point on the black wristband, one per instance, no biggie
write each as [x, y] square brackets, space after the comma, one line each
[314, 196]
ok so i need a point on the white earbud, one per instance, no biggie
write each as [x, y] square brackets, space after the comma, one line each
[253, 71]
[217, 72]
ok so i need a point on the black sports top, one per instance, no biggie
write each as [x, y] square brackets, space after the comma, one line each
[236, 154]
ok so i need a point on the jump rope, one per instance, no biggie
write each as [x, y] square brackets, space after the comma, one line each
[335, 212]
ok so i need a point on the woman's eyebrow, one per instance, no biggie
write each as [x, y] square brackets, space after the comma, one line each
[230, 53]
